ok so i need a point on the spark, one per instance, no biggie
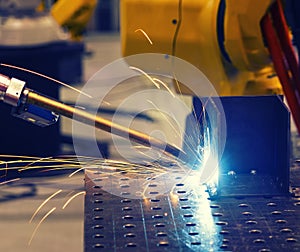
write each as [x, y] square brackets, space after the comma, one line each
[147, 75]
[47, 77]
[38, 225]
[172, 126]
[165, 85]
[78, 170]
[44, 203]
[9, 181]
[145, 34]
[35, 161]
[73, 197]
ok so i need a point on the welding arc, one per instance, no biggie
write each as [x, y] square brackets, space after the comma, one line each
[101, 123]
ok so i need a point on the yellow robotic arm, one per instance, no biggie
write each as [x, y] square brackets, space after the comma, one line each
[74, 15]
[224, 42]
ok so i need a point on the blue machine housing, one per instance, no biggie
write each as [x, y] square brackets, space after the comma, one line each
[256, 157]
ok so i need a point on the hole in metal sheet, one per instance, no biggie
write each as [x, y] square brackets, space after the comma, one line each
[183, 199]
[286, 230]
[97, 187]
[255, 231]
[281, 221]
[98, 245]
[259, 241]
[97, 194]
[124, 179]
[217, 214]
[98, 236]
[196, 243]
[251, 222]
[291, 240]
[98, 218]
[190, 224]
[98, 201]
[156, 208]
[151, 178]
[193, 233]
[163, 244]
[271, 204]
[214, 206]
[126, 209]
[125, 201]
[264, 250]
[152, 185]
[153, 193]
[124, 186]
[98, 227]
[98, 209]
[180, 184]
[224, 232]
[181, 191]
[243, 205]
[97, 179]
[224, 246]
[178, 178]
[160, 224]
[221, 223]
[276, 213]
[247, 213]
[297, 203]
[154, 200]
[157, 216]
[130, 235]
[161, 234]
[127, 217]
[130, 245]
[185, 207]
[225, 240]
[188, 215]
[129, 226]
[97, 172]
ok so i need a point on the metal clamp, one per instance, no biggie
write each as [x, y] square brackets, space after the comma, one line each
[14, 92]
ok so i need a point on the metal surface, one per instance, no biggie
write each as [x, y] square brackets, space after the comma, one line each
[187, 220]
[14, 92]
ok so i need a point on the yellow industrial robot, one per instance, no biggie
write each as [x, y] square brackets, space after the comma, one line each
[72, 16]
[240, 47]
[224, 42]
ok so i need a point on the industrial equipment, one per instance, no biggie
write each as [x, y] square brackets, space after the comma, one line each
[252, 205]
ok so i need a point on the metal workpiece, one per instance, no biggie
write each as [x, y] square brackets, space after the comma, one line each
[186, 219]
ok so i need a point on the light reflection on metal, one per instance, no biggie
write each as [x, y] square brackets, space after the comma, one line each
[205, 223]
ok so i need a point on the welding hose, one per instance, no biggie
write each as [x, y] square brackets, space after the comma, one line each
[282, 30]
[102, 123]
[276, 40]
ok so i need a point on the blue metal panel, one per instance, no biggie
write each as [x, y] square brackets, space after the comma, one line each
[257, 145]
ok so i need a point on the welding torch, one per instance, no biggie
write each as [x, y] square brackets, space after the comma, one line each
[41, 110]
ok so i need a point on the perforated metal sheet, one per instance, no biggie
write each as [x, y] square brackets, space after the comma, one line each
[187, 220]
